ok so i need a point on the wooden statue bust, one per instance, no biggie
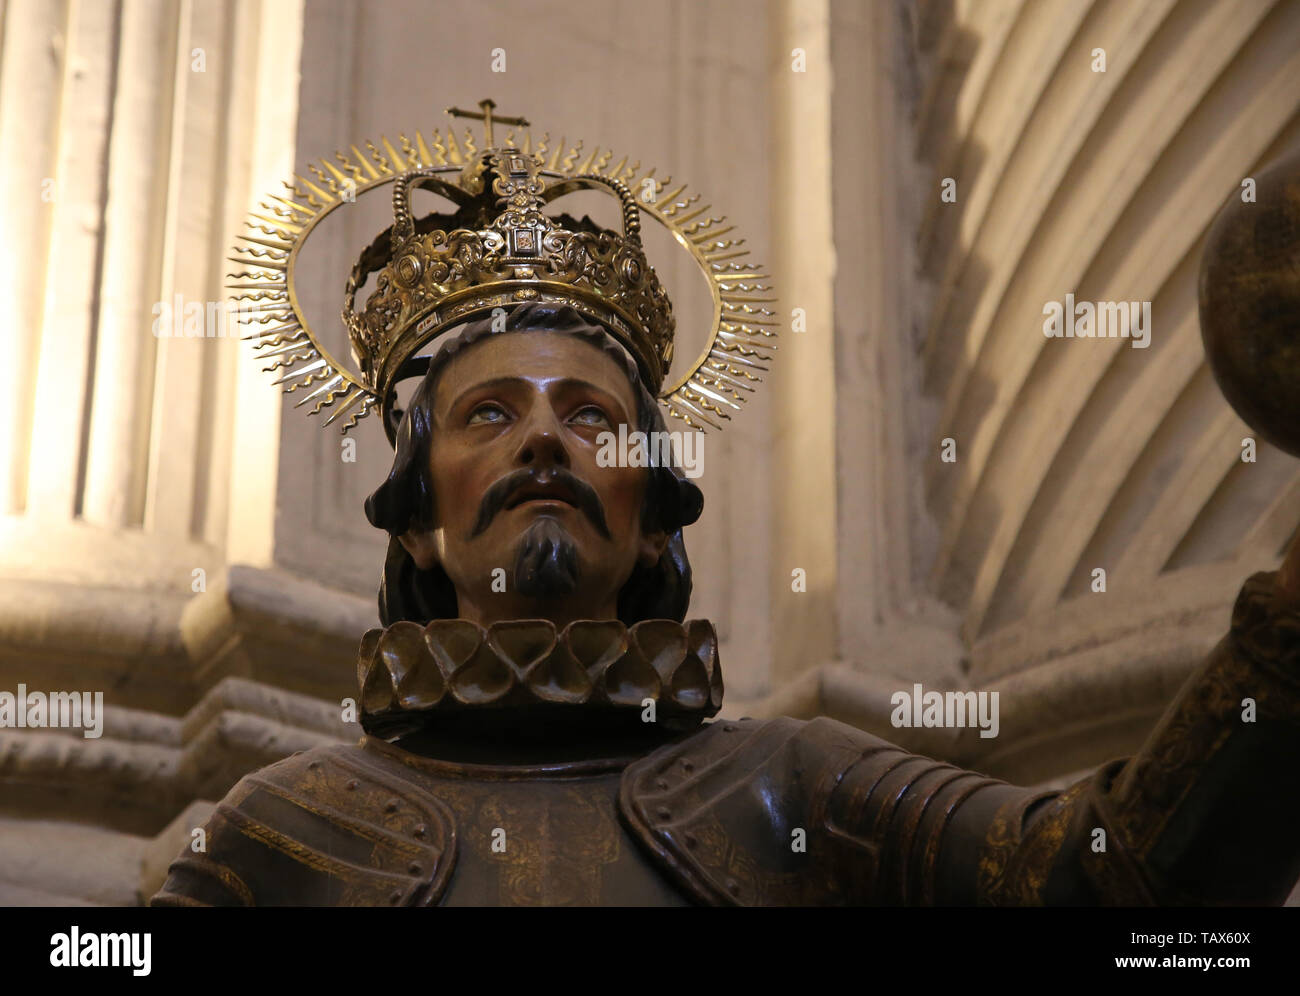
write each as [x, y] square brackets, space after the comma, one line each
[537, 705]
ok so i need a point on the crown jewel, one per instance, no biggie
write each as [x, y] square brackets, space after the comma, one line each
[436, 279]
[500, 249]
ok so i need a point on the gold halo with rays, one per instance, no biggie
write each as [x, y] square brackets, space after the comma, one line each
[716, 382]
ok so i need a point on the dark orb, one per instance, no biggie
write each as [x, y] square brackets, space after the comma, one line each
[1250, 304]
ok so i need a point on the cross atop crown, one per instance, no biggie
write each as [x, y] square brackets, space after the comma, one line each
[487, 117]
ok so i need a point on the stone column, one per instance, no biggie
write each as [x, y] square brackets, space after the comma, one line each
[133, 136]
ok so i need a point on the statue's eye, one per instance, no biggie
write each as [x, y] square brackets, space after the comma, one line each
[487, 414]
[591, 415]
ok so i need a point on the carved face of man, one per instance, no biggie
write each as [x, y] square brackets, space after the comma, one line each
[520, 500]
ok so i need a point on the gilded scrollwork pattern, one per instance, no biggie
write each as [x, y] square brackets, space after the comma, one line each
[524, 252]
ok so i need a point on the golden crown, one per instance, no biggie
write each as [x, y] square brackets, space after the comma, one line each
[496, 251]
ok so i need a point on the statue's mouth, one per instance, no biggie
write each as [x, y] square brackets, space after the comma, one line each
[543, 493]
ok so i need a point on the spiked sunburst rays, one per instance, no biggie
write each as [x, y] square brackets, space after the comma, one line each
[714, 385]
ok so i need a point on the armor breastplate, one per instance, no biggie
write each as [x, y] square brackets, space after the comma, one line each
[370, 824]
[757, 812]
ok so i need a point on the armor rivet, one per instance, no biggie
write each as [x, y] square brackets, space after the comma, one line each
[314, 765]
[728, 729]
[663, 814]
[687, 766]
[352, 785]
[390, 806]
[414, 869]
[733, 886]
[420, 830]
[661, 784]
[395, 898]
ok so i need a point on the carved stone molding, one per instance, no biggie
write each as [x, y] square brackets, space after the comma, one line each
[277, 628]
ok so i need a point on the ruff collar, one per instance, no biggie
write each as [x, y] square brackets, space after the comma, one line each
[410, 674]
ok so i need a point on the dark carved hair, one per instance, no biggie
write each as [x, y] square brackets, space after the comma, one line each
[405, 499]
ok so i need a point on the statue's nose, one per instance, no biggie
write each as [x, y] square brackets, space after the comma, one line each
[542, 443]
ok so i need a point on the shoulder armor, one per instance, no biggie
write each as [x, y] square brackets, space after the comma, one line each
[786, 812]
[332, 826]
[737, 812]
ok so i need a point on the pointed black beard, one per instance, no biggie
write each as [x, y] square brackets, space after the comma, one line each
[546, 565]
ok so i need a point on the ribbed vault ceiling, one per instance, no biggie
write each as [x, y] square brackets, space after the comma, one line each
[1082, 453]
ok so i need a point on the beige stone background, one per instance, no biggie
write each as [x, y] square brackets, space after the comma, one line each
[136, 134]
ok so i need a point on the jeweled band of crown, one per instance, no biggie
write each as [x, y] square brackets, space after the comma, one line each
[499, 249]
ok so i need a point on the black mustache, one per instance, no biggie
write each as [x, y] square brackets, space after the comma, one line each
[505, 488]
